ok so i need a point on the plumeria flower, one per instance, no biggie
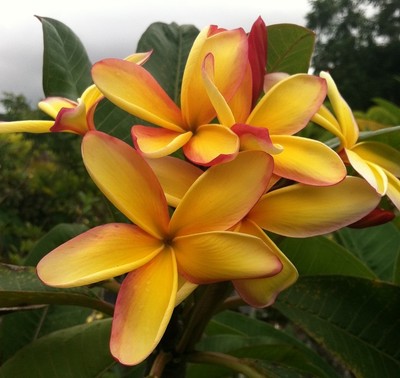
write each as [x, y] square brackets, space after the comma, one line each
[152, 251]
[297, 211]
[285, 109]
[376, 162]
[135, 90]
[68, 115]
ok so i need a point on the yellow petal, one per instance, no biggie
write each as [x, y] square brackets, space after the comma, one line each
[342, 111]
[221, 256]
[229, 48]
[52, 105]
[289, 105]
[211, 144]
[175, 176]
[223, 195]
[307, 161]
[126, 180]
[139, 58]
[26, 127]
[301, 211]
[381, 154]
[133, 89]
[98, 254]
[185, 288]
[262, 292]
[91, 96]
[374, 174]
[393, 191]
[143, 309]
[155, 142]
[326, 119]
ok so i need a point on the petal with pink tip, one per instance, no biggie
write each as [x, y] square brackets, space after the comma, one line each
[35, 127]
[301, 210]
[52, 105]
[221, 256]
[155, 142]
[307, 161]
[133, 89]
[127, 181]
[223, 194]
[144, 308]
[175, 176]
[211, 144]
[98, 254]
[381, 154]
[262, 292]
[72, 120]
[289, 105]
[374, 174]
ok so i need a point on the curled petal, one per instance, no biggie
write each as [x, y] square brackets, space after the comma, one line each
[262, 292]
[212, 144]
[154, 142]
[374, 174]
[91, 96]
[175, 176]
[98, 254]
[139, 58]
[127, 181]
[52, 105]
[326, 119]
[381, 154]
[221, 256]
[307, 161]
[35, 127]
[393, 191]
[72, 120]
[144, 308]
[133, 89]
[289, 105]
[223, 194]
[301, 210]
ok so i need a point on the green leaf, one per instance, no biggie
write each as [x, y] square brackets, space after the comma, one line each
[66, 65]
[290, 48]
[322, 256]
[81, 351]
[353, 318]
[22, 327]
[20, 288]
[54, 238]
[378, 247]
[170, 44]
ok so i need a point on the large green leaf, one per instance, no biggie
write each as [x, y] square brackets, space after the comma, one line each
[355, 319]
[170, 45]
[290, 48]
[322, 256]
[378, 247]
[66, 65]
[80, 352]
[20, 288]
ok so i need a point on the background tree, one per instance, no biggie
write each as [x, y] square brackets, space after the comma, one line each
[358, 41]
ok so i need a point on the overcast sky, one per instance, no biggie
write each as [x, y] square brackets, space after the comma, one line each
[112, 28]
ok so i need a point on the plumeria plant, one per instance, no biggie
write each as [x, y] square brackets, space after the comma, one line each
[257, 233]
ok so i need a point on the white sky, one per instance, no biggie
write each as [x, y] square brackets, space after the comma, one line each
[112, 28]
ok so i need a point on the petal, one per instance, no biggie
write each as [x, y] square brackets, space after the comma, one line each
[289, 105]
[126, 180]
[52, 105]
[301, 211]
[393, 191]
[374, 174]
[381, 154]
[72, 120]
[307, 161]
[229, 48]
[262, 292]
[36, 127]
[155, 142]
[223, 195]
[143, 310]
[221, 256]
[175, 176]
[270, 79]
[185, 288]
[326, 119]
[342, 111]
[133, 89]
[139, 58]
[211, 144]
[91, 96]
[98, 254]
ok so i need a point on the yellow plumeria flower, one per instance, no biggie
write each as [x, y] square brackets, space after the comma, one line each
[193, 242]
[376, 162]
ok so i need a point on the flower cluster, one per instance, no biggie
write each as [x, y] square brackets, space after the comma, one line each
[206, 218]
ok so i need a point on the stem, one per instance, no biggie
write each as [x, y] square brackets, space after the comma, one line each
[239, 365]
[111, 285]
[159, 364]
